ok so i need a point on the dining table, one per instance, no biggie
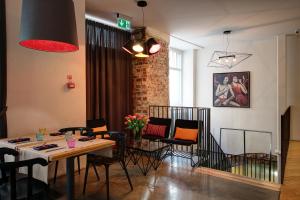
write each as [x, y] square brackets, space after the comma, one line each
[61, 151]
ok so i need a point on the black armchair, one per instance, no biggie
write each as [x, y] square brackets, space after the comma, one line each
[187, 124]
[158, 121]
[117, 156]
[23, 188]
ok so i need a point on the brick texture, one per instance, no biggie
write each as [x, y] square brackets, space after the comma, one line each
[151, 80]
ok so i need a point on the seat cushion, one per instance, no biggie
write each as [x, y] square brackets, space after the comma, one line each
[100, 129]
[152, 137]
[155, 130]
[179, 142]
[38, 189]
[186, 134]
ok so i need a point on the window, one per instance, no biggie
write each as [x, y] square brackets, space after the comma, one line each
[175, 77]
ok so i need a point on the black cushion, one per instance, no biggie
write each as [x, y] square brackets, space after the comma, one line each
[179, 142]
[162, 121]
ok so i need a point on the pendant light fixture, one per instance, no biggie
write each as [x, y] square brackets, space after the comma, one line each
[138, 45]
[49, 25]
[225, 58]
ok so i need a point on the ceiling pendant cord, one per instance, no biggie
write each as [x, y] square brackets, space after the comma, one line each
[227, 44]
[143, 16]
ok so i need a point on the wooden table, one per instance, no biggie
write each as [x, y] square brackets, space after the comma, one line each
[69, 154]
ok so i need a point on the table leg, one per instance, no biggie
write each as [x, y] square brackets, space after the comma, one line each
[70, 178]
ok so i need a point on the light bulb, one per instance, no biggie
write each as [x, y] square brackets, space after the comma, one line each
[226, 60]
[234, 59]
[141, 55]
[138, 48]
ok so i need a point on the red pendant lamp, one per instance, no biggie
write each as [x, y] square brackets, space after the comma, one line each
[49, 25]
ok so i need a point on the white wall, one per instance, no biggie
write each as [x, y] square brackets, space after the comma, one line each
[293, 83]
[37, 96]
[262, 114]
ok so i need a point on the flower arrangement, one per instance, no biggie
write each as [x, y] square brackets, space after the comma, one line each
[136, 123]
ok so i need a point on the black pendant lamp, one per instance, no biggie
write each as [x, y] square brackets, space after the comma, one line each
[138, 45]
[49, 25]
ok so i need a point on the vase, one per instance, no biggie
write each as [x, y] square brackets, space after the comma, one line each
[137, 135]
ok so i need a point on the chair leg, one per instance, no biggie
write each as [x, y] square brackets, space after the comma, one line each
[126, 172]
[96, 172]
[78, 164]
[107, 180]
[86, 175]
[55, 172]
[192, 154]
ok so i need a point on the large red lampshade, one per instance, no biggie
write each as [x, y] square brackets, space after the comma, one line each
[49, 25]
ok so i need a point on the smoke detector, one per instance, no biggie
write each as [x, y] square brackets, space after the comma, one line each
[141, 3]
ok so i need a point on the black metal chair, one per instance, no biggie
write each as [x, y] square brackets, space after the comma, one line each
[189, 124]
[158, 121]
[117, 156]
[22, 188]
[96, 123]
[83, 131]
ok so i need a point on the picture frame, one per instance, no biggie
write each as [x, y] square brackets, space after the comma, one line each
[231, 89]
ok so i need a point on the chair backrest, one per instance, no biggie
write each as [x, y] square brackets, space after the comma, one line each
[162, 121]
[190, 124]
[120, 147]
[82, 130]
[3, 152]
[13, 166]
[94, 123]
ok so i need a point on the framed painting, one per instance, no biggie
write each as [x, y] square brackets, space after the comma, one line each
[231, 89]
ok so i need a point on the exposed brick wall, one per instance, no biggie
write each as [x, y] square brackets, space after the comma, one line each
[151, 80]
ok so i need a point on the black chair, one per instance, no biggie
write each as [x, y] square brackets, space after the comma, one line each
[158, 121]
[189, 124]
[95, 123]
[83, 131]
[118, 156]
[22, 188]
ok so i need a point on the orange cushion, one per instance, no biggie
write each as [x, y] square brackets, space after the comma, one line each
[186, 134]
[99, 129]
[106, 136]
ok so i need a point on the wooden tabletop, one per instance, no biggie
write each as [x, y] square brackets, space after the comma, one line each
[63, 151]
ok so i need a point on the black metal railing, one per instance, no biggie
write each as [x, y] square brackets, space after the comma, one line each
[285, 139]
[208, 151]
[260, 165]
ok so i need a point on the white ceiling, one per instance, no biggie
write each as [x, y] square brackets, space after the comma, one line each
[203, 21]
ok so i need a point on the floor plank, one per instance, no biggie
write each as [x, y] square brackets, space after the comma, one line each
[290, 188]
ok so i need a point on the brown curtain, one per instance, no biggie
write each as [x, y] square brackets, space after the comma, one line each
[108, 74]
[3, 71]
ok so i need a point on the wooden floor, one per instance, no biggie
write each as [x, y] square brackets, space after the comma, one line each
[173, 181]
[290, 189]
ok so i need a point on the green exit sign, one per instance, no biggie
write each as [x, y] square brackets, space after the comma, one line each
[124, 24]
